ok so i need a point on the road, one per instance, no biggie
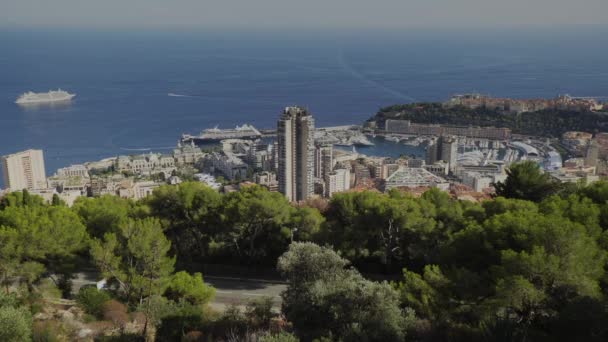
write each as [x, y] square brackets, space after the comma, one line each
[239, 291]
[229, 290]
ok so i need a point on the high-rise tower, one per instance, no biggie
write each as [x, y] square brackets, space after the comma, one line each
[296, 152]
[24, 170]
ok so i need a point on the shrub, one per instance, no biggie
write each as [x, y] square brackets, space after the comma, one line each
[176, 325]
[7, 299]
[191, 288]
[49, 331]
[259, 312]
[281, 337]
[115, 312]
[91, 300]
[15, 324]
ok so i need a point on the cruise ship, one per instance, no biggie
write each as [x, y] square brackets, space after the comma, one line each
[215, 134]
[52, 96]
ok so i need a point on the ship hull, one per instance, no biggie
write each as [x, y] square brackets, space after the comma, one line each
[40, 101]
[203, 140]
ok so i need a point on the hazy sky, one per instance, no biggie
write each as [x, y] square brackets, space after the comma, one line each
[300, 13]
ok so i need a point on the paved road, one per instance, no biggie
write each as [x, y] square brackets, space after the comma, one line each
[239, 291]
[229, 290]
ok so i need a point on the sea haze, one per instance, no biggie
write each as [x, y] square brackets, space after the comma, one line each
[122, 79]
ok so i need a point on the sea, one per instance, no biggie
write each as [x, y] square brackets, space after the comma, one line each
[138, 91]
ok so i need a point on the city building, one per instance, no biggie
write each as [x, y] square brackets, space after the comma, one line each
[553, 160]
[409, 177]
[449, 151]
[261, 156]
[481, 182]
[410, 128]
[231, 166]
[337, 181]
[506, 105]
[443, 148]
[432, 151]
[296, 153]
[24, 170]
[440, 168]
[323, 160]
[208, 180]
[267, 179]
[592, 154]
[187, 154]
[68, 197]
[73, 171]
[415, 162]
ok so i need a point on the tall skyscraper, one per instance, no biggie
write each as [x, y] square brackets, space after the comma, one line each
[449, 151]
[444, 148]
[24, 170]
[323, 160]
[432, 152]
[593, 153]
[296, 152]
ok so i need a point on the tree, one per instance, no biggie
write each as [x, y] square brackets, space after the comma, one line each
[104, 214]
[21, 199]
[307, 221]
[188, 287]
[324, 299]
[38, 238]
[526, 181]
[189, 213]
[385, 227]
[257, 222]
[136, 258]
[517, 268]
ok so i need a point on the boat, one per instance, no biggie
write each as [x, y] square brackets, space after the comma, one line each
[215, 134]
[52, 96]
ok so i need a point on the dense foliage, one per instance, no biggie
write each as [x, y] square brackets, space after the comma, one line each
[545, 122]
[325, 300]
[528, 265]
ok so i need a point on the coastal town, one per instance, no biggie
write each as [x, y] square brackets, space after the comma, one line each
[303, 161]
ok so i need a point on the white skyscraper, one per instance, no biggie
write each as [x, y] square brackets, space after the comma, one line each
[24, 170]
[337, 181]
[296, 153]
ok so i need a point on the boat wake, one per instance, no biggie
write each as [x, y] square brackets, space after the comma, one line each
[147, 148]
[180, 95]
[135, 149]
[351, 70]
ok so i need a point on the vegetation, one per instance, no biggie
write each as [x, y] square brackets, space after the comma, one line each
[528, 265]
[92, 300]
[325, 300]
[545, 122]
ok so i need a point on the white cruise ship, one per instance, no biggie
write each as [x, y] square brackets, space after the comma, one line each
[52, 96]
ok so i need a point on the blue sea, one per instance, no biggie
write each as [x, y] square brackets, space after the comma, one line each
[122, 79]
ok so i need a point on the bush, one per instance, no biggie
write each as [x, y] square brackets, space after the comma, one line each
[115, 312]
[92, 301]
[191, 288]
[7, 299]
[176, 325]
[281, 337]
[15, 324]
[232, 322]
[259, 312]
[49, 331]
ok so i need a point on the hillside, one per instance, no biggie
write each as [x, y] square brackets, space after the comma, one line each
[545, 123]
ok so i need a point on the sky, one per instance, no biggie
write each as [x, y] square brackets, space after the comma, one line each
[301, 14]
